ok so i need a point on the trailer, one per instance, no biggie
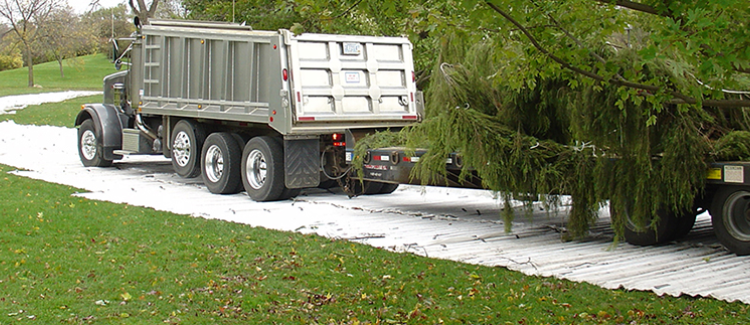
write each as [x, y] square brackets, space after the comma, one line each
[259, 111]
[726, 196]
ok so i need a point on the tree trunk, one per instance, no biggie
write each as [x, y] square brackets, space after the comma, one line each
[30, 65]
[60, 63]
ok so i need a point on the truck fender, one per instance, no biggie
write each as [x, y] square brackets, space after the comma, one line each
[107, 125]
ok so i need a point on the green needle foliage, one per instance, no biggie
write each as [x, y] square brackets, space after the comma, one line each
[549, 137]
[582, 98]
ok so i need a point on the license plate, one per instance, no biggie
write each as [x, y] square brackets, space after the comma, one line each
[352, 48]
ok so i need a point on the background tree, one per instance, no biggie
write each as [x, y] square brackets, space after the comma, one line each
[109, 24]
[64, 36]
[10, 55]
[25, 16]
[357, 17]
[170, 9]
[142, 10]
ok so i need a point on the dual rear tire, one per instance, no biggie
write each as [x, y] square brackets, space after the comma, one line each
[258, 168]
[220, 161]
[227, 167]
[730, 215]
[262, 170]
[670, 226]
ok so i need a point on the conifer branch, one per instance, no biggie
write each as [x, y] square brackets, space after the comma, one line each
[679, 98]
[638, 7]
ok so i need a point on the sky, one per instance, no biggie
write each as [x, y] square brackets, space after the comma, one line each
[81, 6]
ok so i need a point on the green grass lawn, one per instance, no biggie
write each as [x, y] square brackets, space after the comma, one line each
[84, 73]
[57, 114]
[68, 260]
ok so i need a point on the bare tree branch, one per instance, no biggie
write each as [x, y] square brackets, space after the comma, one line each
[637, 7]
[349, 9]
[152, 9]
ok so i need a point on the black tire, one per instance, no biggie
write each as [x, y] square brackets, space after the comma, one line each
[263, 169]
[388, 188]
[186, 143]
[220, 164]
[650, 234]
[90, 147]
[289, 193]
[730, 215]
[683, 224]
[365, 187]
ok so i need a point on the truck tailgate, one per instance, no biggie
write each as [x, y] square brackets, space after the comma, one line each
[342, 78]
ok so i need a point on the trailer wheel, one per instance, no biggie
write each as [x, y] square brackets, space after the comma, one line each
[358, 187]
[388, 188]
[263, 169]
[89, 149]
[684, 223]
[650, 234]
[220, 157]
[187, 142]
[730, 215]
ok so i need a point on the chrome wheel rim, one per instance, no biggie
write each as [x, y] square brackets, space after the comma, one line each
[256, 169]
[214, 164]
[88, 145]
[181, 149]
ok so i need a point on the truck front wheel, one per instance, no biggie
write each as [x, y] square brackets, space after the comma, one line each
[187, 141]
[89, 149]
[221, 158]
[730, 215]
[263, 169]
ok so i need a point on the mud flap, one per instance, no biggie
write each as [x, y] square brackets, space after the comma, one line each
[302, 163]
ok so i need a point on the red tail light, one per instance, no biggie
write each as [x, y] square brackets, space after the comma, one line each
[285, 74]
[338, 140]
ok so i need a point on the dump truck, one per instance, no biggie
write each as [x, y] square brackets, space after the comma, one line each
[261, 111]
[271, 113]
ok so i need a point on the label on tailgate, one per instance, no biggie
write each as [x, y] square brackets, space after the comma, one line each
[352, 48]
[352, 77]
